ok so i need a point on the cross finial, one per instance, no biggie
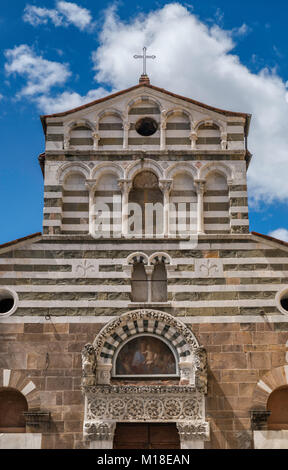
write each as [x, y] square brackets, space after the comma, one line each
[144, 77]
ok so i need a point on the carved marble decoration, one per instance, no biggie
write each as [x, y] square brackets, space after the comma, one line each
[193, 430]
[85, 268]
[88, 365]
[143, 403]
[201, 370]
[206, 267]
[99, 430]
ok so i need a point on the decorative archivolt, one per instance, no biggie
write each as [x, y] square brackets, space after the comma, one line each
[97, 359]
[137, 257]
[155, 258]
[160, 257]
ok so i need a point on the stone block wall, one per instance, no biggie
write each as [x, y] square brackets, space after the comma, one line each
[48, 354]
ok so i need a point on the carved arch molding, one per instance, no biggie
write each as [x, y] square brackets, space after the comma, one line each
[107, 403]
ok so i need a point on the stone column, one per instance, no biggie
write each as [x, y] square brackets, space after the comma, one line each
[193, 434]
[163, 126]
[125, 186]
[193, 137]
[165, 186]
[126, 127]
[200, 187]
[224, 142]
[100, 434]
[90, 185]
[149, 271]
[96, 138]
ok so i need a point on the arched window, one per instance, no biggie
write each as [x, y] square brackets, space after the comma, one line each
[139, 284]
[147, 195]
[159, 283]
[278, 406]
[145, 355]
[12, 406]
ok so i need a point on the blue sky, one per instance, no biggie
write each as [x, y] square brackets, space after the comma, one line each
[56, 55]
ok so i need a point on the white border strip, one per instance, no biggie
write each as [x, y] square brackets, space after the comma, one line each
[186, 320]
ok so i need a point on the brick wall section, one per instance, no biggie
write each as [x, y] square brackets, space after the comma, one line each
[239, 355]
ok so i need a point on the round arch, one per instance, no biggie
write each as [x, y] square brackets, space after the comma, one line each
[141, 99]
[72, 168]
[107, 168]
[220, 168]
[148, 165]
[177, 168]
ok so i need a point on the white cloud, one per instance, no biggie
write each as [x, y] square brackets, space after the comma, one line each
[67, 100]
[65, 14]
[197, 61]
[37, 15]
[80, 17]
[280, 233]
[41, 74]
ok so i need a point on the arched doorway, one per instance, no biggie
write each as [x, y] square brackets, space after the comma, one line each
[146, 436]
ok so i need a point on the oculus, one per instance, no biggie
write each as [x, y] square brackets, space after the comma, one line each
[145, 356]
[146, 126]
[8, 302]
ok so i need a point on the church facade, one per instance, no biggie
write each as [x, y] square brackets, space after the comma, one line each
[146, 315]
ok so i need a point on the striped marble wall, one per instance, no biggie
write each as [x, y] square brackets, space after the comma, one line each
[178, 131]
[216, 204]
[224, 276]
[81, 137]
[183, 199]
[110, 132]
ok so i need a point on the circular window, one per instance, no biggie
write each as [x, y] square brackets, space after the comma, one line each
[146, 126]
[8, 302]
[282, 301]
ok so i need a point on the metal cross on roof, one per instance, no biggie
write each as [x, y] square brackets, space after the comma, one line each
[144, 57]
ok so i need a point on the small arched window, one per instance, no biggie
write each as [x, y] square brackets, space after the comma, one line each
[12, 407]
[278, 406]
[159, 283]
[139, 284]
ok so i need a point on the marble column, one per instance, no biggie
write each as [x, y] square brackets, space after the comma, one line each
[126, 127]
[125, 186]
[200, 187]
[165, 186]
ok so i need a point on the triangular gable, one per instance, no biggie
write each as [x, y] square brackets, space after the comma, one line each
[246, 116]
